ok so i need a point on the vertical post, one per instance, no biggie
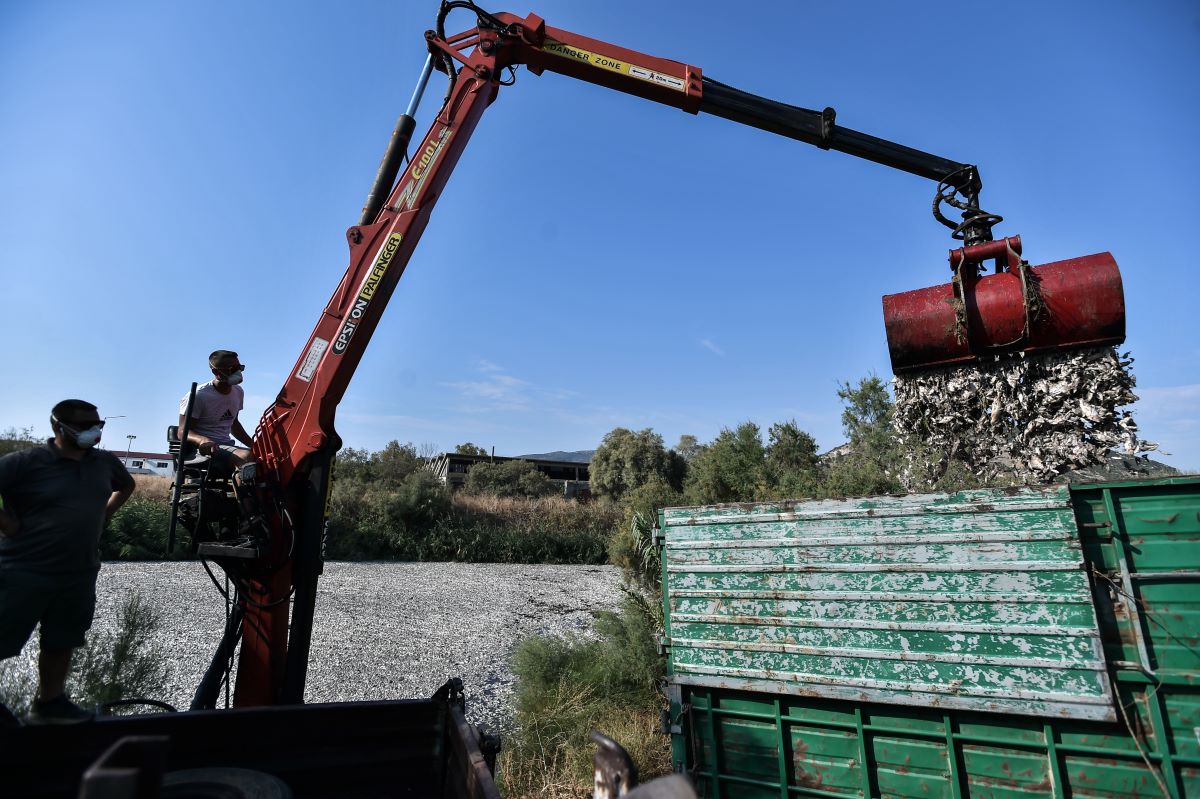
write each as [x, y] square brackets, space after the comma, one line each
[957, 787]
[714, 746]
[864, 755]
[1057, 782]
[1131, 600]
[178, 485]
[784, 757]
[1162, 742]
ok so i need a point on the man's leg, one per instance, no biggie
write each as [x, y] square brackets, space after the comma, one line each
[53, 667]
[64, 627]
[238, 456]
[20, 607]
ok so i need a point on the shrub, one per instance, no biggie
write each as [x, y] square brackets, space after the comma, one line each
[568, 687]
[125, 664]
[631, 546]
[421, 501]
[421, 522]
[138, 531]
[510, 479]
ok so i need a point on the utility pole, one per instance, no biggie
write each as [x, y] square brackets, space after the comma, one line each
[130, 437]
[118, 416]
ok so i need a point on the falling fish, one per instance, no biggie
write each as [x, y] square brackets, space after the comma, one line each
[1018, 419]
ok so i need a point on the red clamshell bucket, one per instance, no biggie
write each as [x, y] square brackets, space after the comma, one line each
[1061, 305]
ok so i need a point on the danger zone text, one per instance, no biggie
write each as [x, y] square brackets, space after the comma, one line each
[614, 65]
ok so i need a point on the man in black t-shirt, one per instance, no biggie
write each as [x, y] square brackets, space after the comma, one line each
[57, 499]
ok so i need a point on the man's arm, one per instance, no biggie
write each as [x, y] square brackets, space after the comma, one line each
[115, 502]
[240, 433]
[10, 525]
[203, 443]
[123, 486]
[10, 468]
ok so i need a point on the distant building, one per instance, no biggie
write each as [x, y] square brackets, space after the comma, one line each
[158, 463]
[452, 467]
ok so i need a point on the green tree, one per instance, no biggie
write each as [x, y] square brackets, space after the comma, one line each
[14, 440]
[730, 469]
[688, 447]
[873, 463]
[395, 462]
[352, 464]
[867, 414]
[509, 479]
[790, 450]
[626, 460]
[470, 449]
[793, 466]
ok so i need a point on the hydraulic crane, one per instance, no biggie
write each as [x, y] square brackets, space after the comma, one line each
[1017, 309]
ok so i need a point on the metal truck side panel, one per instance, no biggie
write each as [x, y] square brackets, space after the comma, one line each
[974, 601]
[1139, 543]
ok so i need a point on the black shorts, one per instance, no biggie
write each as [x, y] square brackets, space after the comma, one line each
[64, 605]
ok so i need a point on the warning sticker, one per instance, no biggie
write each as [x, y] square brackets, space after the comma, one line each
[366, 292]
[614, 65]
[308, 366]
[657, 77]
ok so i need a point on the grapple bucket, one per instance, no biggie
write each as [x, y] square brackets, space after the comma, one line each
[1061, 305]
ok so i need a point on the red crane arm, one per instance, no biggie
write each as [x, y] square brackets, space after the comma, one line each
[300, 421]
[664, 81]
[295, 438]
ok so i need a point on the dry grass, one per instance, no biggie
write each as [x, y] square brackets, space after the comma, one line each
[550, 762]
[551, 512]
[152, 486]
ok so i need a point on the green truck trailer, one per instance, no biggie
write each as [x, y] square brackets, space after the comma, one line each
[993, 643]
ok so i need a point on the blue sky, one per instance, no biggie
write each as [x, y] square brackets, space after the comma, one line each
[178, 177]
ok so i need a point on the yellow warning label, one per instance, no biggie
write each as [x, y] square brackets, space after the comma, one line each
[614, 65]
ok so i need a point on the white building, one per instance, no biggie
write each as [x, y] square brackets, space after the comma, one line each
[147, 462]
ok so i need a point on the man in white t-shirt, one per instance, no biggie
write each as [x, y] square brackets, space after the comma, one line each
[215, 422]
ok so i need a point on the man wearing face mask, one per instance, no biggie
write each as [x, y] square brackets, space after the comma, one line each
[57, 499]
[215, 411]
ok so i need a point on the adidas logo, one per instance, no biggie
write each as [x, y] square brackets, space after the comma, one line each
[226, 415]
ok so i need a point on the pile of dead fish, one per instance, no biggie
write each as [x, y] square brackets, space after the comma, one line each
[1021, 419]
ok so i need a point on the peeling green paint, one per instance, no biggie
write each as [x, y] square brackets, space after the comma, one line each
[865, 649]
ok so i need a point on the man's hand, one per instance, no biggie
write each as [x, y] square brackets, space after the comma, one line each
[208, 447]
[10, 525]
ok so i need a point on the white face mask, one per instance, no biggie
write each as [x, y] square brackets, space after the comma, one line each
[234, 378]
[84, 439]
[88, 438]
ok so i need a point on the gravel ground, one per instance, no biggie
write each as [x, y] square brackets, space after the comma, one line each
[383, 630]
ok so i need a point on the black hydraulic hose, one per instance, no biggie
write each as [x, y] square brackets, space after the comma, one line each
[210, 685]
[817, 128]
